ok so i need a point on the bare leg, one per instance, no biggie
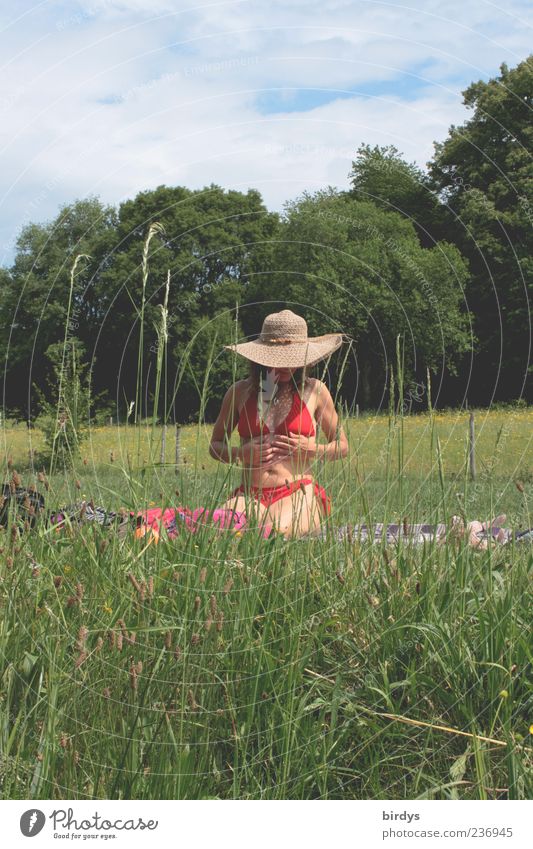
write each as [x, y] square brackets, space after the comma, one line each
[253, 509]
[297, 515]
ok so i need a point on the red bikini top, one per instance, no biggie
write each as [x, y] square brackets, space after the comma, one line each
[298, 420]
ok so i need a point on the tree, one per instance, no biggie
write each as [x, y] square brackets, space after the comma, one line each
[381, 175]
[215, 241]
[34, 295]
[348, 265]
[484, 174]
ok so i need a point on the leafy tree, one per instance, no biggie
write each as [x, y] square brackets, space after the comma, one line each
[34, 294]
[347, 264]
[215, 242]
[484, 173]
[381, 175]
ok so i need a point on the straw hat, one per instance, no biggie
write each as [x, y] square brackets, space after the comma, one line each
[284, 343]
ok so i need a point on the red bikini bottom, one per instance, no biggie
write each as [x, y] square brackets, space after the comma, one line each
[268, 495]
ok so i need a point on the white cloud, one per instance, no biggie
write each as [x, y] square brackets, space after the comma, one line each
[116, 96]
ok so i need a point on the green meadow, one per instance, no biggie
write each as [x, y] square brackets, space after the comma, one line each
[223, 666]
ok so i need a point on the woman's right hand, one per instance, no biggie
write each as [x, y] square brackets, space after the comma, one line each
[257, 452]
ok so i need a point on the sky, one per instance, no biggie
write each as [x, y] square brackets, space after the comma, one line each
[112, 97]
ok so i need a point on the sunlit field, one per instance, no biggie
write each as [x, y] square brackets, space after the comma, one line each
[224, 666]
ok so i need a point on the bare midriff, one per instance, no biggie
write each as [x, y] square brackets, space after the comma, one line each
[277, 473]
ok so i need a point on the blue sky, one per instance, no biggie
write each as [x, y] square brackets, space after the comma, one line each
[111, 97]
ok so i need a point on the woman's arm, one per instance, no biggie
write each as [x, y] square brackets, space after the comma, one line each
[326, 416]
[219, 447]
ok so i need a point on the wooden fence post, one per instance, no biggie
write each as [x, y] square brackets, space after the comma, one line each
[177, 450]
[163, 445]
[471, 448]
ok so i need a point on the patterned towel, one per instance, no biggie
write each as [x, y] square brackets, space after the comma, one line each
[418, 534]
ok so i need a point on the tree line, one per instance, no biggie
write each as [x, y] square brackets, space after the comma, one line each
[441, 258]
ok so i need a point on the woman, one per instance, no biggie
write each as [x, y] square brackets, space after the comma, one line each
[277, 411]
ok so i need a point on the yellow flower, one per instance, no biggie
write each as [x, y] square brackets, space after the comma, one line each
[107, 609]
[503, 694]
[67, 569]
[531, 729]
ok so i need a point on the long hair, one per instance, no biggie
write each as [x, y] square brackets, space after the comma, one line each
[298, 379]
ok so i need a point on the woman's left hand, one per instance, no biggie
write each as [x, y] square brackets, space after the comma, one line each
[295, 443]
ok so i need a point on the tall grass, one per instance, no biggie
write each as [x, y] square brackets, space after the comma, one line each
[218, 666]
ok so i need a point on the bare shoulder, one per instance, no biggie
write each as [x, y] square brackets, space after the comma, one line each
[319, 391]
[240, 386]
[238, 391]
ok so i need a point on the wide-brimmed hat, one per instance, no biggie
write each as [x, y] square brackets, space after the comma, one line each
[284, 343]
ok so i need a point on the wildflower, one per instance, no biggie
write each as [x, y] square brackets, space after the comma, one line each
[67, 569]
[107, 609]
[503, 694]
[531, 729]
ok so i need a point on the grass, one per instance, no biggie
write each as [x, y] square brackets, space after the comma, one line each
[225, 667]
